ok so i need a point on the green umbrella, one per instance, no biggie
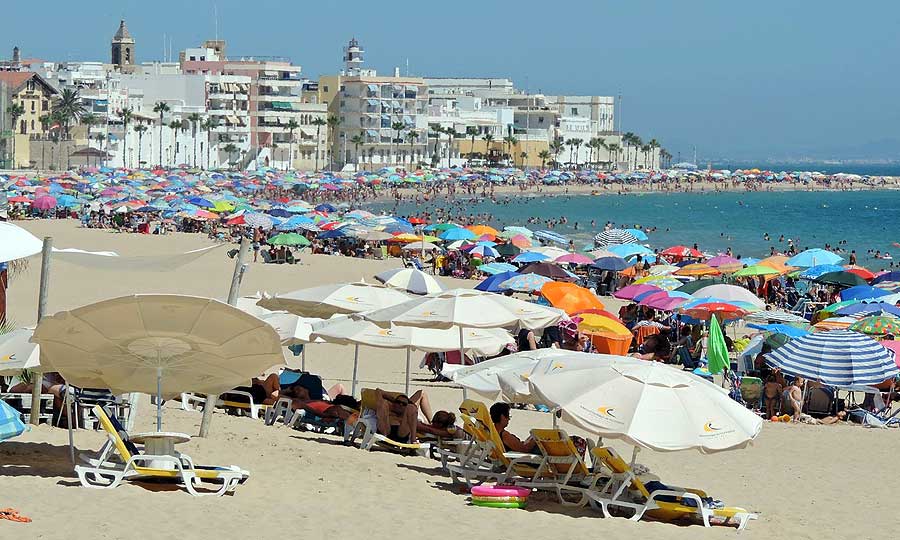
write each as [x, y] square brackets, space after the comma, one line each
[877, 326]
[508, 250]
[756, 270]
[716, 350]
[289, 239]
[843, 279]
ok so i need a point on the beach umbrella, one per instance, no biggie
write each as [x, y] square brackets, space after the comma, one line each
[479, 230]
[837, 357]
[339, 298]
[11, 424]
[789, 331]
[708, 310]
[863, 292]
[483, 251]
[615, 264]
[614, 237]
[570, 297]
[729, 293]
[256, 220]
[45, 202]
[813, 257]
[420, 246]
[158, 344]
[693, 286]
[525, 283]
[778, 262]
[663, 282]
[631, 291]
[552, 252]
[818, 270]
[17, 243]
[877, 326]
[573, 258]
[375, 236]
[662, 269]
[497, 268]
[508, 250]
[664, 300]
[774, 316]
[550, 236]
[629, 250]
[697, 269]
[716, 349]
[864, 273]
[545, 269]
[893, 276]
[410, 280]
[648, 405]
[492, 283]
[681, 251]
[637, 233]
[722, 260]
[757, 270]
[598, 324]
[869, 308]
[520, 241]
[291, 329]
[529, 257]
[841, 279]
[288, 239]
[457, 234]
[17, 353]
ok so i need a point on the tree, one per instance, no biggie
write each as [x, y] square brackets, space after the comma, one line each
[614, 150]
[544, 155]
[161, 108]
[356, 141]
[333, 122]
[140, 129]
[637, 143]
[175, 126]
[126, 115]
[194, 120]
[15, 111]
[291, 126]
[524, 156]
[412, 136]
[472, 132]
[578, 143]
[318, 122]
[435, 131]
[451, 133]
[396, 127]
[488, 139]
[230, 149]
[653, 144]
[508, 142]
[571, 144]
[209, 125]
[69, 107]
[556, 147]
[100, 138]
[88, 121]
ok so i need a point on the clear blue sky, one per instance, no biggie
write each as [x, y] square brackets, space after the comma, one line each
[740, 79]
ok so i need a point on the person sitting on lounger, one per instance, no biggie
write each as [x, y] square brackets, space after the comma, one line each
[500, 417]
[397, 417]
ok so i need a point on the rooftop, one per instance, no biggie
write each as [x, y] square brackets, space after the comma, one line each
[122, 34]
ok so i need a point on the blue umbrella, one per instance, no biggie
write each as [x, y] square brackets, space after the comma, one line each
[789, 331]
[11, 424]
[873, 307]
[495, 268]
[530, 257]
[627, 250]
[889, 276]
[838, 358]
[815, 271]
[637, 233]
[813, 257]
[550, 236]
[615, 264]
[492, 284]
[459, 233]
[325, 207]
[484, 251]
[201, 202]
[863, 292]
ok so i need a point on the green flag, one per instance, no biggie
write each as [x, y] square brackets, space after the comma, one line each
[716, 350]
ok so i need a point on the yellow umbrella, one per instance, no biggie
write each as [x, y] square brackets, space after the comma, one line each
[698, 269]
[593, 323]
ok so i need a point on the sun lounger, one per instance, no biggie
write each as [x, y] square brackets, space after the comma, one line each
[366, 429]
[562, 468]
[103, 474]
[487, 458]
[667, 504]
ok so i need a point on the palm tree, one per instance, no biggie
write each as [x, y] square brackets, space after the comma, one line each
[356, 141]
[161, 108]
[126, 115]
[556, 147]
[614, 150]
[194, 119]
[645, 149]
[14, 110]
[99, 138]
[412, 136]
[654, 144]
[571, 144]
[435, 131]
[209, 125]
[544, 155]
[230, 149]
[472, 131]
[89, 121]
[508, 143]
[70, 107]
[578, 143]
[175, 126]
[524, 156]
[291, 126]
[451, 133]
[638, 143]
[488, 139]
[140, 129]
[318, 122]
[396, 127]
[333, 122]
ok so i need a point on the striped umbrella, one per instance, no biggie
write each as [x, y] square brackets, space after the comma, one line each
[614, 237]
[697, 269]
[774, 317]
[838, 358]
[258, 220]
[410, 280]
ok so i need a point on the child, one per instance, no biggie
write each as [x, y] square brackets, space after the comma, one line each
[772, 391]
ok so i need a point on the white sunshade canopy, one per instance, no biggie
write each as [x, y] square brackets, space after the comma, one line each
[334, 299]
[17, 243]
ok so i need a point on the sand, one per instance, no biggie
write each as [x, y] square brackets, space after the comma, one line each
[805, 481]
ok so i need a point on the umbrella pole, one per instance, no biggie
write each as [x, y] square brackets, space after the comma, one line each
[355, 366]
[158, 399]
[38, 379]
[68, 404]
[303, 358]
[462, 350]
[406, 391]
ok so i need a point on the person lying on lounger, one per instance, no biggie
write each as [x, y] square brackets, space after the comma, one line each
[397, 416]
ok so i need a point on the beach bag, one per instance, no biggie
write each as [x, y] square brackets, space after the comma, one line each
[11, 424]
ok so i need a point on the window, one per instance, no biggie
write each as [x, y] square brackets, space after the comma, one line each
[326, 88]
[574, 111]
[33, 105]
[193, 59]
[22, 126]
[540, 119]
[32, 125]
[44, 105]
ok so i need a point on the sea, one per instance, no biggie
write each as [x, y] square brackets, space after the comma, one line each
[864, 221]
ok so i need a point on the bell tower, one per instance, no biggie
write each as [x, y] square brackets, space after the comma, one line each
[123, 48]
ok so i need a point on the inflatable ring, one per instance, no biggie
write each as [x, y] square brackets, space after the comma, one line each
[499, 504]
[476, 498]
[500, 491]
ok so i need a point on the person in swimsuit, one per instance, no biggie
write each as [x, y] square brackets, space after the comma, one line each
[772, 391]
[397, 417]
[500, 417]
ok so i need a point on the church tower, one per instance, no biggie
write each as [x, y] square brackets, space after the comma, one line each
[123, 48]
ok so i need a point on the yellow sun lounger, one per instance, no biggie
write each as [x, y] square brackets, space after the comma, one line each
[366, 428]
[104, 474]
[562, 468]
[615, 494]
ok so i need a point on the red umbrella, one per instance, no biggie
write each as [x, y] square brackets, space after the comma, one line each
[18, 199]
[681, 251]
[864, 273]
[721, 310]
[416, 221]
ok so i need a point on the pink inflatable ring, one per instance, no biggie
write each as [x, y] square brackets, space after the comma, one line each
[500, 491]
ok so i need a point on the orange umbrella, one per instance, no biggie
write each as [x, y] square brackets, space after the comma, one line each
[520, 241]
[861, 271]
[570, 297]
[730, 268]
[483, 229]
[777, 262]
[698, 269]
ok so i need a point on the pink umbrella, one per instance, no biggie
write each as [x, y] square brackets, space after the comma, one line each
[109, 192]
[629, 292]
[894, 346]
[722, 260]
[662, 301]
[44, 203]
[574, 258]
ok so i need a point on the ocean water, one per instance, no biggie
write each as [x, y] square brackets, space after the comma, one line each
[866, 220]
[865, 169]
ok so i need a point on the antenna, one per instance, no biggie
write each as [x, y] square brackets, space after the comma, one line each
[407, 67]
[216, 16]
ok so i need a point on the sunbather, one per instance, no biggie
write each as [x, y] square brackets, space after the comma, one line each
[500, 417]
[397, 417]
[263, 391]
[773, 396]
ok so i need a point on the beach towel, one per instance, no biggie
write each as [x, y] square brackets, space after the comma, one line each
[10, 422]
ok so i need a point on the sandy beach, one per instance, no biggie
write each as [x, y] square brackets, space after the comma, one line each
[817, 482]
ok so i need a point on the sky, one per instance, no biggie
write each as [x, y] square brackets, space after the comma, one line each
[746, 80]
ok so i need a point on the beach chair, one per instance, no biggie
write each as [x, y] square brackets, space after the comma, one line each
[366, 428]
[486, 457]
[228, 402]
[562, 468]
[666, 504]
[103, 474]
